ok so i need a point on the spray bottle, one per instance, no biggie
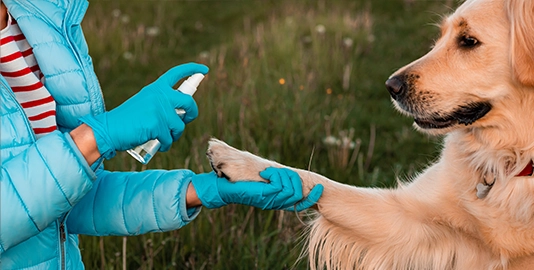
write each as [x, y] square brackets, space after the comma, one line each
[143, 153]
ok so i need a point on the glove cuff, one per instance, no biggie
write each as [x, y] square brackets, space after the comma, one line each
[207, 190]
[98, 124]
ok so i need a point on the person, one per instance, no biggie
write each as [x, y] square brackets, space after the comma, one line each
[55, 133]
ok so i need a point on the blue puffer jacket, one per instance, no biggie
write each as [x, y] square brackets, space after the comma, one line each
[48, 192]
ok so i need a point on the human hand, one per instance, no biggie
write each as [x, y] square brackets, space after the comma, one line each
[284, 191]
[149, 114]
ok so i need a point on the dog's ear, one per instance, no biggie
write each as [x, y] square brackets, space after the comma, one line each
[521, 16]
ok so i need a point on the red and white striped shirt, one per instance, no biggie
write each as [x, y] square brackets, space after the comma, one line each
[19, 67]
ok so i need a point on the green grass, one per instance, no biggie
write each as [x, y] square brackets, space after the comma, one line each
[278, 86]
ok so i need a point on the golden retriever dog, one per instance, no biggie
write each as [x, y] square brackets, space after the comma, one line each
[474, 207]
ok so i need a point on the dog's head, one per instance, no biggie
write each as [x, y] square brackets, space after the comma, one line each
[485, 51]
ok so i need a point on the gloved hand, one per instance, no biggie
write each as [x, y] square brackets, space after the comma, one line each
[283, 192]
[149, 114]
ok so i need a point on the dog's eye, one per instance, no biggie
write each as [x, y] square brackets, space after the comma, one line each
[468, 42]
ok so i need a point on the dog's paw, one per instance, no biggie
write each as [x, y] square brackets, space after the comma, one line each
[216, 150]
[234, 164]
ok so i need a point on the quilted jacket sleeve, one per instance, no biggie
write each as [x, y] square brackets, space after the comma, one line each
[40, 185]
[132, 203]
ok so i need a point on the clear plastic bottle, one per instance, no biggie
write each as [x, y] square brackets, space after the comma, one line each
[144, 153]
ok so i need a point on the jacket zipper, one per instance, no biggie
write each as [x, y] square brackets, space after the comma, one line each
[62, 240]
[90, 83]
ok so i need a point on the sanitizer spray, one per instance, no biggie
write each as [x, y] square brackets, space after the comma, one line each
[143, 153]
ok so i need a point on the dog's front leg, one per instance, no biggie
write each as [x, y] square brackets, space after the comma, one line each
[368, 228]
[238, 165]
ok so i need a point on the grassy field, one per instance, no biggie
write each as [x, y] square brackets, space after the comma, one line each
[300, 82]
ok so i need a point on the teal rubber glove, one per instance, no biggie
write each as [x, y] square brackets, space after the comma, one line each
[149, 114]
[283, 192]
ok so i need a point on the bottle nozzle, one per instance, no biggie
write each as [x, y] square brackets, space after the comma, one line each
[189, 86]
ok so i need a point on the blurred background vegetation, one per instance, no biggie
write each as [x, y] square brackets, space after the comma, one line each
[297, 81]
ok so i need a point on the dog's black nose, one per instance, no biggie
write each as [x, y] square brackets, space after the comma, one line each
[396, 87]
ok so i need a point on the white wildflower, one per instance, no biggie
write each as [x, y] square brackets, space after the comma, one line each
[204, 55]
[331, 140]
[321, 29]
[125, 19]
[348, 42]
[116, 13]
[127, 55]
[152, 31]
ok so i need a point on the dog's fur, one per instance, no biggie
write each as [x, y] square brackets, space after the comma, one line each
[476, 86]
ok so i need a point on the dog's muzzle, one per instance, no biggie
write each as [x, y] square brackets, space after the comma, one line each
[465, 114]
